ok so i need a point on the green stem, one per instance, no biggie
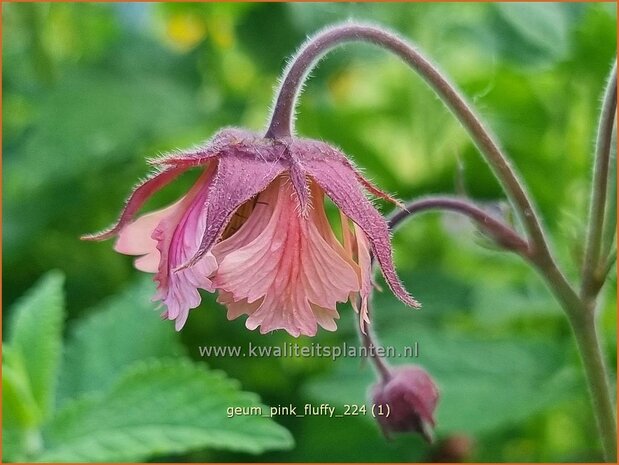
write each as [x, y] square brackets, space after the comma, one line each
[582, 319]
[590, 279]
[609, 234]
[588, 342]
[369, 341]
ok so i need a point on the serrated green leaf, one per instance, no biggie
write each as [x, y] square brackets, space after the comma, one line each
[160, 407]
[124, 329]
[36, 333]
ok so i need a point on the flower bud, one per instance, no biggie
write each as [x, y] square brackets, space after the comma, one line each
[407, 402]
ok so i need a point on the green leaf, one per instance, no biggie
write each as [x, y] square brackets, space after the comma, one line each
[353, 439]
[119, 332]
[36, 333]
[156, 408]
[12, 444]
[511, 378]
[20, 444]
[19, 408]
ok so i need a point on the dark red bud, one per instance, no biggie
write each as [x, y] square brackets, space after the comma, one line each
[408, 400]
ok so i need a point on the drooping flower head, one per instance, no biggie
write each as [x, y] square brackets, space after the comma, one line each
[253, 228]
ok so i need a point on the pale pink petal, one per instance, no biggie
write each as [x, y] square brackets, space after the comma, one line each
[178, 237]
[148, 263]
[165, 239]
[237, 308]
[340, 183]
[326, 317]
[288, 266]
[327, 274]
[365, 265]
[239, 177]
[138, 197]
[136, 239]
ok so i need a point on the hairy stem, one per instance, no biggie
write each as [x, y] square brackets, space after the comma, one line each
[317, 46]
[590, 278]
[503, 235]
[282, 118]
[370, 343]
[592, 357]
[609, 234]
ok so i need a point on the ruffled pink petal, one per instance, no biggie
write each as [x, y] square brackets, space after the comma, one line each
[166, 238]
[237, 308]
[178, 237]
[239, 177]
[286, 265]
[326, 317]
[138, 197]
[340, 183]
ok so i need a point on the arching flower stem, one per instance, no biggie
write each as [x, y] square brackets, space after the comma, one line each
[577, 309]
[282, 119]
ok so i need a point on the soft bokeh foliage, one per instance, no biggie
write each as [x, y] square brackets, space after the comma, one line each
[91, 90]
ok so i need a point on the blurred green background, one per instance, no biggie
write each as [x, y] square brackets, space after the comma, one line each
[91, 90]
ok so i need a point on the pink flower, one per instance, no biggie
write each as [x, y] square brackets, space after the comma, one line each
[254, 229]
